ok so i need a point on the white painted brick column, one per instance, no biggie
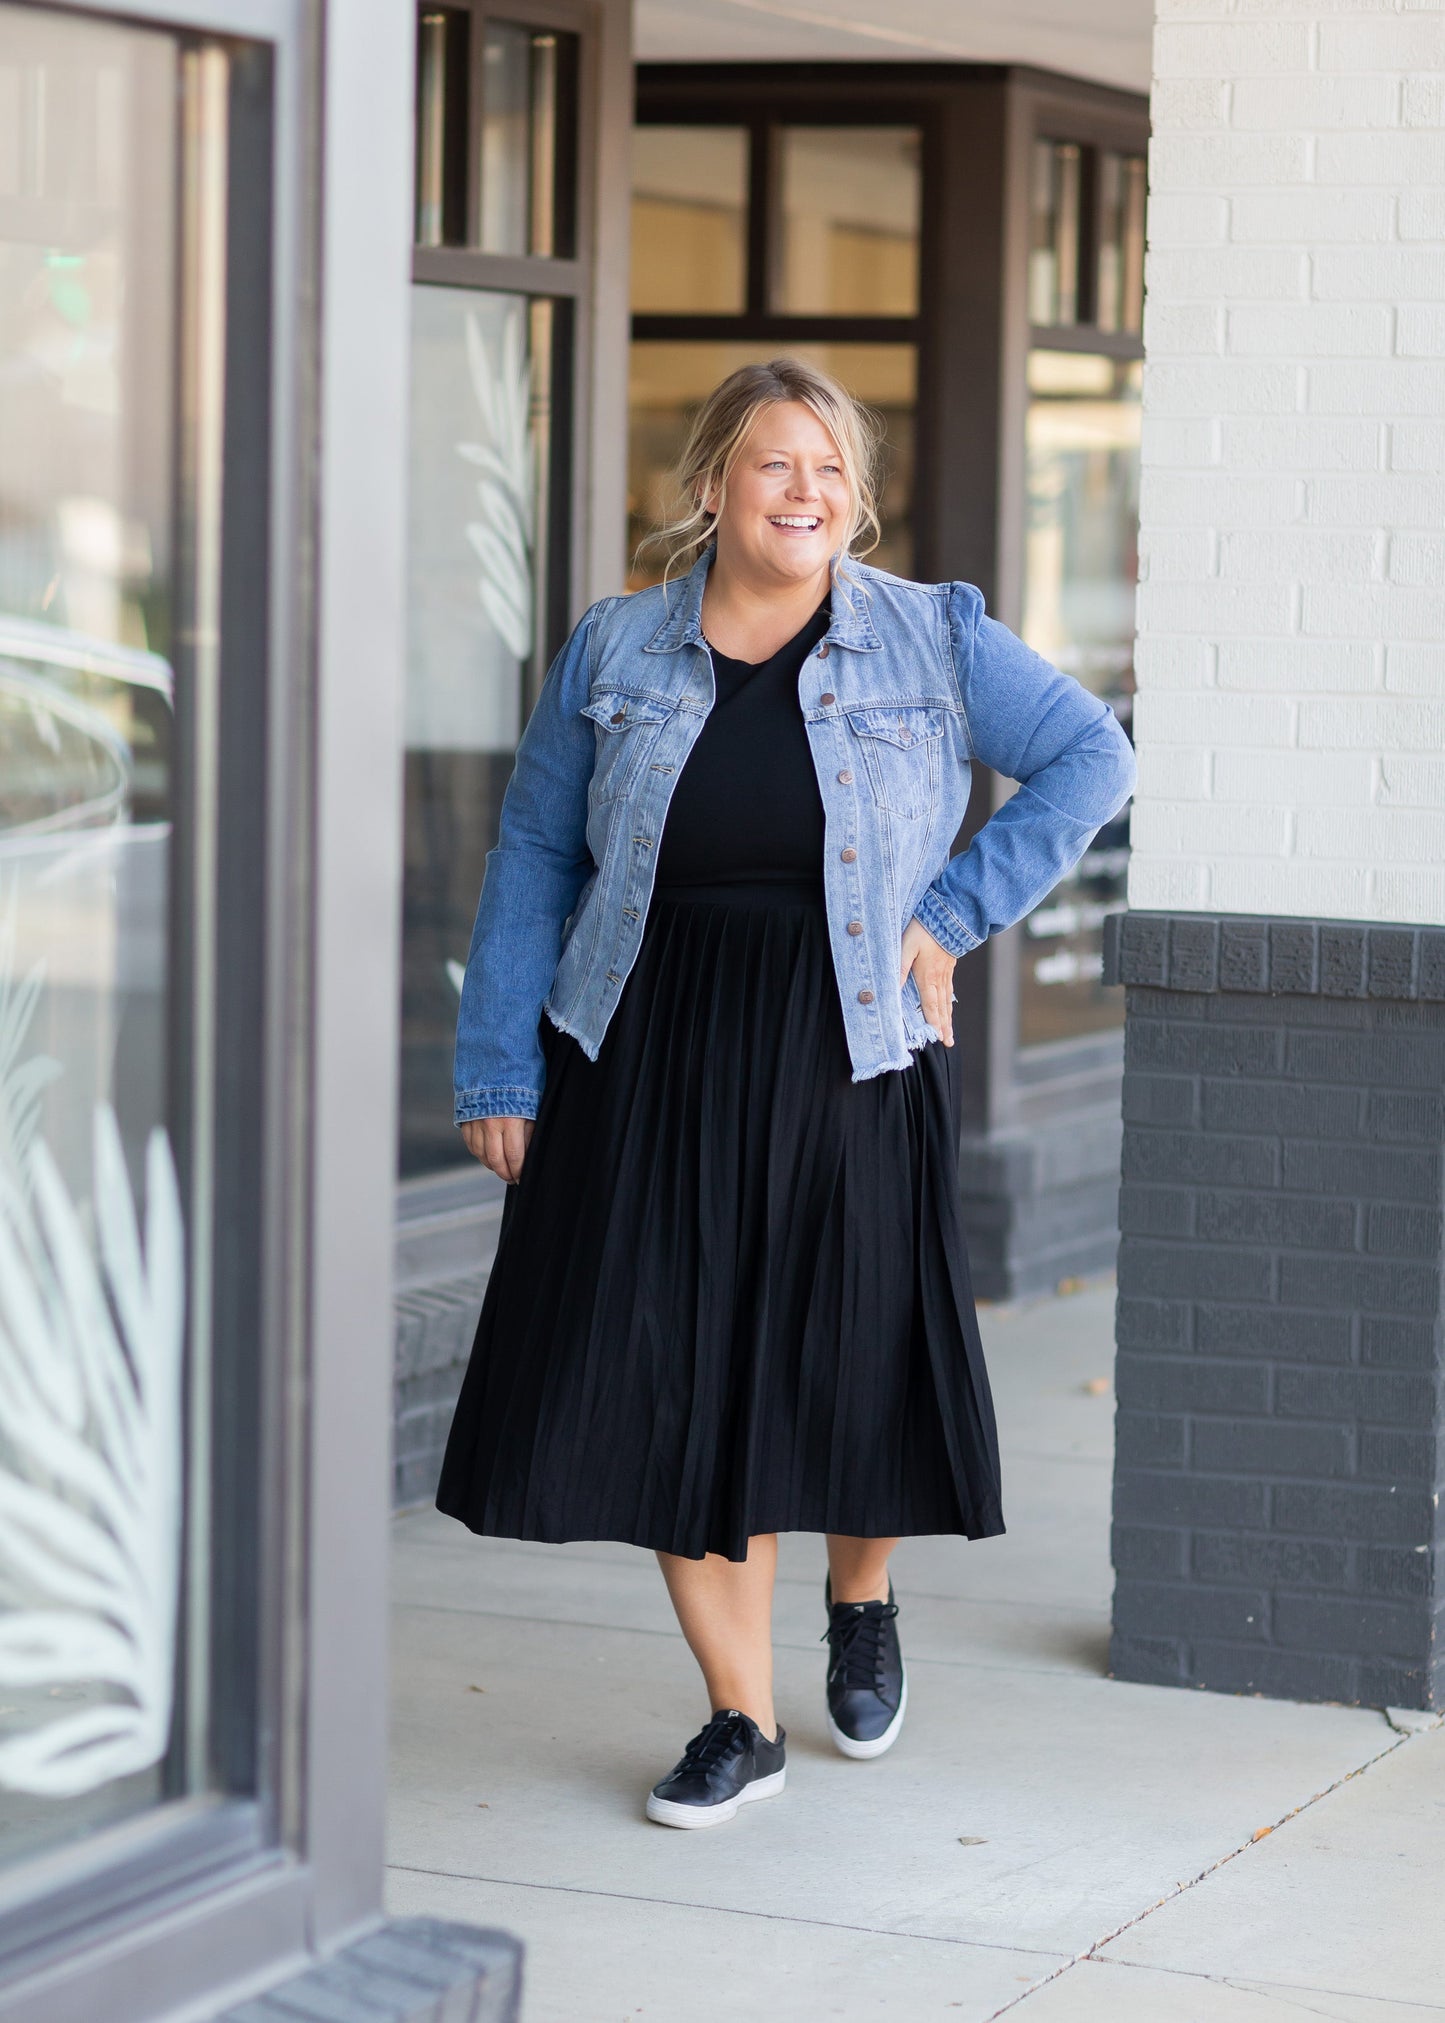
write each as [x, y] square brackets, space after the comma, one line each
[1291, 663]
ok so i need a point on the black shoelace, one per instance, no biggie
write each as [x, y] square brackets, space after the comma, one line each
[858, 1645]
[715, 1741]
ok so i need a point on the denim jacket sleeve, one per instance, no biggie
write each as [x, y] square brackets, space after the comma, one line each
[530, 886]
[1067, 750]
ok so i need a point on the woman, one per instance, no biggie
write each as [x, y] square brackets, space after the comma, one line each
[731, 1294]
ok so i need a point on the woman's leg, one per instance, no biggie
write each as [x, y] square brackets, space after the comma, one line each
[725, 1607]
[858, 1568]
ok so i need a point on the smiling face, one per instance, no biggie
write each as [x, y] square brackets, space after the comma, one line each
[787, 507]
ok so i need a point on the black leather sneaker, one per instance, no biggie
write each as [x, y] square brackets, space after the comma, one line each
[724, 1766]
[867, 1685]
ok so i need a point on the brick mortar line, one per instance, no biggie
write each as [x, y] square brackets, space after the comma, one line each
[1179, 1889]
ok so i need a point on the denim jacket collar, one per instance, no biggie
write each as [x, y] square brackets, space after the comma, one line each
[850, 624]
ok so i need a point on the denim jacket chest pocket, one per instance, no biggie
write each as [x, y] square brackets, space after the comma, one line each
[627, 730]
[900, 746]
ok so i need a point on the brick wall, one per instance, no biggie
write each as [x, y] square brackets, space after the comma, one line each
[1291, 709]
[1279, 1454]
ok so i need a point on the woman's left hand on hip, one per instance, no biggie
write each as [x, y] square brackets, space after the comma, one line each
[933, 967]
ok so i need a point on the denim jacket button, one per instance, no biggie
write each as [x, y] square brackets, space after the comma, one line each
[865, 997]
[823, 651]
[845, 778]
[620, 717]
[827, 697]
[855, 927]
[848, 855]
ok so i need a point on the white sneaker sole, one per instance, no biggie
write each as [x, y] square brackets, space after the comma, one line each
[667, 1812]
[850, 1746]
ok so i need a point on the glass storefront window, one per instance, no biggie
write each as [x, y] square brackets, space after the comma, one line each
[1120, 285]
[483, 451]
[527, 131]
[669, 381]
[1054, 203]
[518, 195]
[1080, 571]
[102, 1354]
[847, 225]
[689, 220]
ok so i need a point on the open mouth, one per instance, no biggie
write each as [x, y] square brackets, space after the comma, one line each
[796, 523]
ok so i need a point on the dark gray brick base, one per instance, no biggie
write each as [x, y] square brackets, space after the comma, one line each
[414, 1970]
[1279, 1453]
[434, 1329]
[447, 1231]
[1039, 1202]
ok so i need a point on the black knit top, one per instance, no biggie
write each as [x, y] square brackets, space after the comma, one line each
[746, 807]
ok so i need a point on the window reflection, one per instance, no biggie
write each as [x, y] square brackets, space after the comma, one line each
[1054, 222]
[442, 54]
[527, 134]
[669, 382]
[848, 208]
[482, 449]
[689, 219]
[1121, 242]
[1080, 571]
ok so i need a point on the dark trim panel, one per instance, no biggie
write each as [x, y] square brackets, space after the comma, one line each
[1254, 953]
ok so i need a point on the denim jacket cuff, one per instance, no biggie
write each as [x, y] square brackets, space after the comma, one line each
[945, 926]
[497, 1101]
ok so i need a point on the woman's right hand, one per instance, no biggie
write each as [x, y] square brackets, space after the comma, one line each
[499, 1142]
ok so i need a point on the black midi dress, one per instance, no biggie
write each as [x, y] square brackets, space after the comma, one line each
[731, 1291]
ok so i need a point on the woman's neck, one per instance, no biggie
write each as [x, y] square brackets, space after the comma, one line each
[750, 621]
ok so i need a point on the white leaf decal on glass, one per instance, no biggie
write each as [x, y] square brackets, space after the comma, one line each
[21, 1081]
[501, 538]
[90, 1491]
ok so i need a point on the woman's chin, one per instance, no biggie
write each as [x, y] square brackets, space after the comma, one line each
[798, 560]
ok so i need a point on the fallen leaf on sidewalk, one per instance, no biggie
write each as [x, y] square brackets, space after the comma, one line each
[1095, 1386]
[972, 1840]
[1260, 1834]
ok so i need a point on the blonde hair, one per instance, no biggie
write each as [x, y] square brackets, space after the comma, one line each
[721, 427]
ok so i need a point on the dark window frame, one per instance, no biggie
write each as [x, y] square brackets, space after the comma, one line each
[756, 322]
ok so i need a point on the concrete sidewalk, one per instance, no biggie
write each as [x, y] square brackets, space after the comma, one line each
[1043, 1841]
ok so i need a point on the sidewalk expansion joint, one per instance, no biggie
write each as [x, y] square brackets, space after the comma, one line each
[1260, 1833]
[725, 1910]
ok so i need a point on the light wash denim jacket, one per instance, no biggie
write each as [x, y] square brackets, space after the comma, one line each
[909, 684]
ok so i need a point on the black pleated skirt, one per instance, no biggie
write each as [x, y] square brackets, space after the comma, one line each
[731, 1291]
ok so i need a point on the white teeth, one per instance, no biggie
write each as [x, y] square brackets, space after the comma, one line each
[792, 520]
